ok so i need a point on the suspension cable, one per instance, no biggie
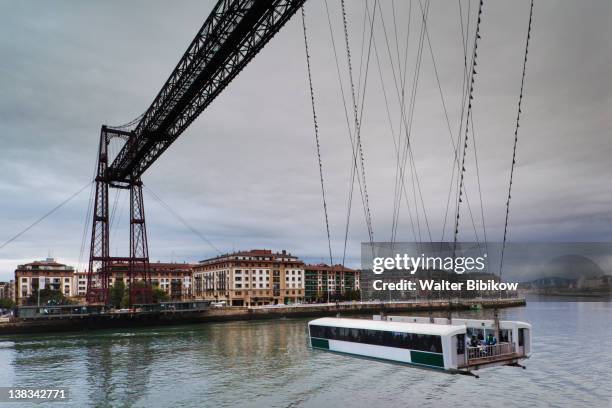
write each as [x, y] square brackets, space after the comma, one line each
[181, 219]
[407, 150]
[130, 124]
[88, 217]
[118, 218]
[464, 90]
[467, 123]
[361, 101]
[397, 200]
[114, 210]
[316, 132]
[518, 116]
[452, 139]
[57, 207]
[357, 125]
[350, 136]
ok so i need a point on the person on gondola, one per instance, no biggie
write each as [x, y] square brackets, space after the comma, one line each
[474, 341]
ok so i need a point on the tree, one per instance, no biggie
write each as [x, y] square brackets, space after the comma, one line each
[352, 295]
[140, 293]
[117, 291]
[6, 303]
[47, 296]
[125, 300]
[159, 295]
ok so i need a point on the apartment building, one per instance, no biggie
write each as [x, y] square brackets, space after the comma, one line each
[7, 290]
[80, 284]
[43, 274]
[250, 278]
[173, 278]
[330, 283]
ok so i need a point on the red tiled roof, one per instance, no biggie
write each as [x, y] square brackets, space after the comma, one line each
[50, 263]
[326, 267]
[157, 265]
[254, 252]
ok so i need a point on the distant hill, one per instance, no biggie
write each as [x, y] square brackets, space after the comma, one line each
[572, 267]
[570, 272]
[553, 282]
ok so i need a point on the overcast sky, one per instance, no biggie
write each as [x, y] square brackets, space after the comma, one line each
[245, 174]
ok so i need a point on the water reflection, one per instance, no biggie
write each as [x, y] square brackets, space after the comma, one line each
[99, 365]
[119, 367]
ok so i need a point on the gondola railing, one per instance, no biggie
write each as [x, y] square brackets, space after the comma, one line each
[496, 350]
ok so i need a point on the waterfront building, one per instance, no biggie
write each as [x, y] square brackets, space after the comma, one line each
[43, 274]
[173, 278]
[7, 290]
[80, 284]
[324, 282]
[250, 278]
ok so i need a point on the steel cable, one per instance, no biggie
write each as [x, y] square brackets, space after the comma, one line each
[467, 123]
[357, 125]
[60, 205]
[518, 116]
[316, 132]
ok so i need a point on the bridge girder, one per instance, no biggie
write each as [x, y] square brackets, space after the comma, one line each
[234, 32]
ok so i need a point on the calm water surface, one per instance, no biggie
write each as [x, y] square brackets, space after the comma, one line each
[268, 364]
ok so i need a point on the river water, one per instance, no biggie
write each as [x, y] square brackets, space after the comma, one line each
[268, 364]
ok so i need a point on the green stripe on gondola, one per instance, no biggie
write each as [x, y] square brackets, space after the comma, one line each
[320, 343]
[430, 359]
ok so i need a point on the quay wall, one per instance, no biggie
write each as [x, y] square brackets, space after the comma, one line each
[144, 319]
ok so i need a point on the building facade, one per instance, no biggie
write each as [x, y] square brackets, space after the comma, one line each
[247, 278]
[31, 277]
[80, 282]
[7, 290]
[250, 278]
[330, 283]
[173, 278]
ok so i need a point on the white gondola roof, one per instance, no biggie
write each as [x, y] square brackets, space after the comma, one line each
[504, 324]
[418, 328]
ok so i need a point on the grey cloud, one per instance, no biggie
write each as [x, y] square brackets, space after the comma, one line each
[245, 173]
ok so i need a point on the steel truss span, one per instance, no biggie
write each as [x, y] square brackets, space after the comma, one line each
[234, 32]
[232, 35]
